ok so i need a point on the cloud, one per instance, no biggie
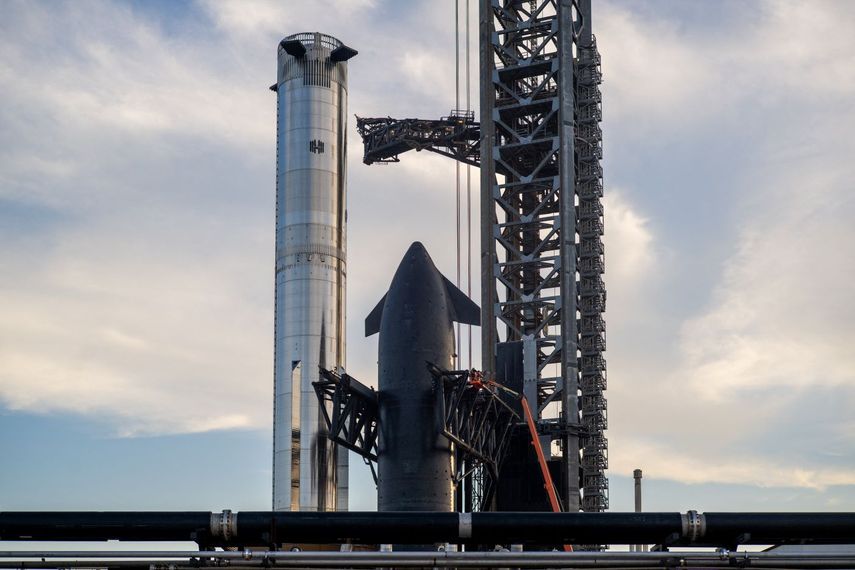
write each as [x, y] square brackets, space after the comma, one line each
[261, 17]
[128, 291]
[103, 82]
[663, 76]
[810, 67]
[781, 316]
[665, 463]
[153, 344]
[136, 212]
[137, 169]
[629, 243]
[651, 69]
[771, 325]
[767, 346]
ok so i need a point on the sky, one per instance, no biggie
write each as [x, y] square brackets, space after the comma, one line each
[137, 186]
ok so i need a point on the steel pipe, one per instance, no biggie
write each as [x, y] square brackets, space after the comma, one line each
[115, 525]
[274, 528]
[423, 559]
[503, 555]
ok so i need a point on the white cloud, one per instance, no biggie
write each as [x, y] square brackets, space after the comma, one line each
[147, 301]
[157, 344]
[128, 294]
[663, 76]
[145, 298]
[127, 76]
[804, 50]
[782, 315]
[651, 70]
[777, 328]
[693, 467]
[254, 18]
[629, 242]
[83, 86]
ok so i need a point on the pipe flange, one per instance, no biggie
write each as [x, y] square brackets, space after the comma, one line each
[224, 525]
[464, 525]
[694, 525]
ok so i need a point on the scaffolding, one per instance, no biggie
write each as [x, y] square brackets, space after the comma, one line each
[591, 266]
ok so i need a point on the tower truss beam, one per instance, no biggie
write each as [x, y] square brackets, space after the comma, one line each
[529, 253]
[455, 136]
[542, 224]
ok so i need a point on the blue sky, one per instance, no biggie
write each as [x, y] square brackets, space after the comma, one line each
[137, 161]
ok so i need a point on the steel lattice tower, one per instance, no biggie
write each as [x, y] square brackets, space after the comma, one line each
[542, 222]
[591, 291]
[539, 147]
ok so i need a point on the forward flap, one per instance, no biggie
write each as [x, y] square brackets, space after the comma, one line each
[372, 321]
[464, 309]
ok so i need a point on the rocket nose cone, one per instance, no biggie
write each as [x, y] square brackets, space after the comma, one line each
[417, 255]
[415, 267]
[417, 248]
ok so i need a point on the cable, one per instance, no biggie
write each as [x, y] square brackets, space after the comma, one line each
[457, 359]
[468, 194]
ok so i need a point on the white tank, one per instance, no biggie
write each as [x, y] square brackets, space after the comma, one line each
[309, 471]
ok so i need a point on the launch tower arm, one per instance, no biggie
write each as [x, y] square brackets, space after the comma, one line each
[479, 422]
[456, 136]
[350, 412]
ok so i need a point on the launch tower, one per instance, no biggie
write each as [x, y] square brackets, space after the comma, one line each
[539, 146]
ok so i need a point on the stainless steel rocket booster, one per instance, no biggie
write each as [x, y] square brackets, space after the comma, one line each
[309, 471]
[415, 321]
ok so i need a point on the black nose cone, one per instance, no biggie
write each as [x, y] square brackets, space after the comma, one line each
[416, 248]
[418, 286]
[416, 270]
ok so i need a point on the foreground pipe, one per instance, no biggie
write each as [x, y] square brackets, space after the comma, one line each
[267, 528]
[250, 559]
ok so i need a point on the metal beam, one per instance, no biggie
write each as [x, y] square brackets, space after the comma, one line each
[479, 423]
[350, 412]
[489, 331]
[567, 181]
[456, 136]
[529, 222]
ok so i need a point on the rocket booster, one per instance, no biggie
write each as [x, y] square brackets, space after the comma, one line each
[414, 320]
[309, 473]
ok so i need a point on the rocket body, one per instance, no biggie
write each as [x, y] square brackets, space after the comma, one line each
[309, 471]
[415, 322]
